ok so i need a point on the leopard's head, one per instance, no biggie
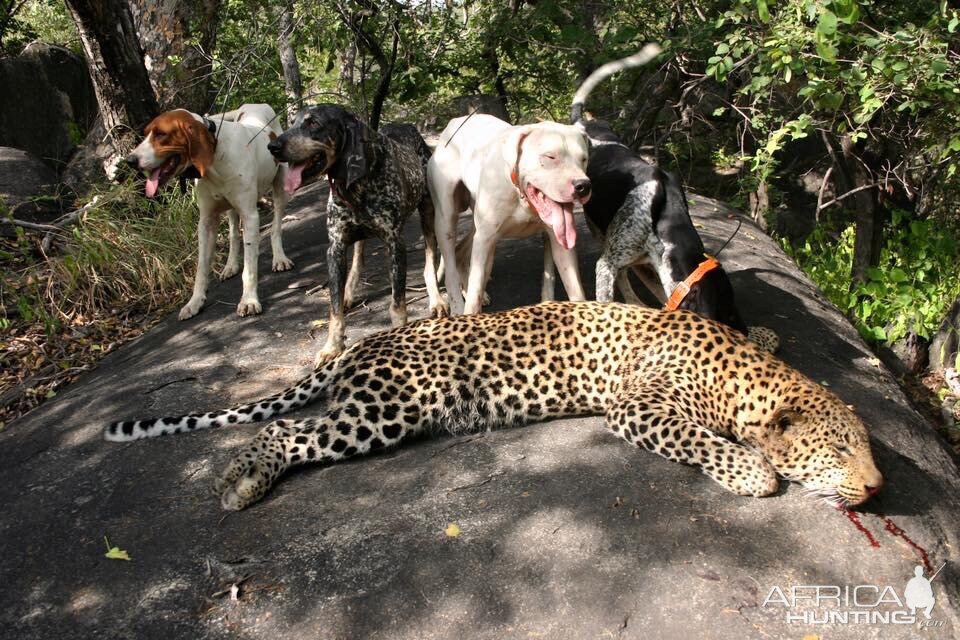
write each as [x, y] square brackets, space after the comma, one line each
[824, 446]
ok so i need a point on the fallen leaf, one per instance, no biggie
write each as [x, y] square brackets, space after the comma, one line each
[115, 553]
[452, 530]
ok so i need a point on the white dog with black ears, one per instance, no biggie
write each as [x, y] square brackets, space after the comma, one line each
[518, 181]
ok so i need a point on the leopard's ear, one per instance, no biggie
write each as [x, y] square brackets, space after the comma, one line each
[782, 419]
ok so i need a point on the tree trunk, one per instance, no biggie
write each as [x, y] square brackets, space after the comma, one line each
[490, 53]
[369, 43]
[869, 229]
[760, 204]
[120, 81]
[288, 60]
[946, 341]
[652, 96]
[177, 37]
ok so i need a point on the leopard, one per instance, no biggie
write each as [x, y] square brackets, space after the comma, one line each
[687, 388]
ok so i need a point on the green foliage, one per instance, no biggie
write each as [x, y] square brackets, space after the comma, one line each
[910, 289]
[45, 20]
[885, 73]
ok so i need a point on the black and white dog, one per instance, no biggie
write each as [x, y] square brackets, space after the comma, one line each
[377, 180]
[640, 213]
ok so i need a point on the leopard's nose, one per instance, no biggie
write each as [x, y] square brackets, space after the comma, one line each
[873, 489]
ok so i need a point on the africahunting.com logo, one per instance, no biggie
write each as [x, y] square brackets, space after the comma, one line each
[859, 604]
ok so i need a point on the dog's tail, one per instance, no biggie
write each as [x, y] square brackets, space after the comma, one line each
[639, 59]
[309, 389]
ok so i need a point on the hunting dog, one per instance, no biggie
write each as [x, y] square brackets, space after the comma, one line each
[518, 181]
[228, 153]
[640, 214]
[377, 180]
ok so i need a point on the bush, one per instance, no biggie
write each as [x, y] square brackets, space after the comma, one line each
[911, 288]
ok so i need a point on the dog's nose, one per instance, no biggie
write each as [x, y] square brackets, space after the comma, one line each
[581, 187]
[274, 146]
[133, 161]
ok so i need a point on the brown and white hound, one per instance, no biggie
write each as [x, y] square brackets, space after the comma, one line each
[228, 153]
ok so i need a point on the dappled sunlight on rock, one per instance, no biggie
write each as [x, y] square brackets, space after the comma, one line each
[86, 598]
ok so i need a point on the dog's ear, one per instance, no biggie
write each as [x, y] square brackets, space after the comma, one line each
[199, 143]
[512, 151]
[359, 156]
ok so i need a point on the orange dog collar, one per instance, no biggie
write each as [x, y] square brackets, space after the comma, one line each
[682, 289]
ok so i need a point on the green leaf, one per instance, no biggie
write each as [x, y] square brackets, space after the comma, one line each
[898, 275]
[115, 553]
[763, 11]
[827, 25]
[723, 48]
[952, 25]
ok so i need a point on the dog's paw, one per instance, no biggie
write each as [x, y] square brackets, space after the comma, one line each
[440, 309]
[249, 307]
[192, 308]
[486, 299]
[229, 270]
[282, 263]
[325, 355]
[398, 315]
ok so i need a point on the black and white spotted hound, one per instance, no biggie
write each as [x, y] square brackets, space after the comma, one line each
[377, 180]
[640, 213]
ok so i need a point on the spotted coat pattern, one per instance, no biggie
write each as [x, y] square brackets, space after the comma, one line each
[377, 180]
[687, 388]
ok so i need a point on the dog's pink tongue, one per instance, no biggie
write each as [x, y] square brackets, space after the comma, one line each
[153, 183]
[564, 226]
[558, 215]
[293, 177]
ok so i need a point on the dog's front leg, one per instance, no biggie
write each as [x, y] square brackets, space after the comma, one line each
[481, 261]
[548, 291]
[446, 226]
[280, 198]
[232, 266]
[249, 302]
[206, 243]
[353, 278]
[566, 261]
[337, 269]
[398, 279]
[438, 306]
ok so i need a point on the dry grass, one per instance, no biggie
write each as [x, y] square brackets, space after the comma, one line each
[119, 269]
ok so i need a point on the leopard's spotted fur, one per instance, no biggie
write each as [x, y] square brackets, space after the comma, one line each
[687, 388]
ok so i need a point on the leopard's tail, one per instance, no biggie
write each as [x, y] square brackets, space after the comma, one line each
[309, 389]
[638, 59]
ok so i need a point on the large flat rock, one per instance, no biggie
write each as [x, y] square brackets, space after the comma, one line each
[565, 532]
